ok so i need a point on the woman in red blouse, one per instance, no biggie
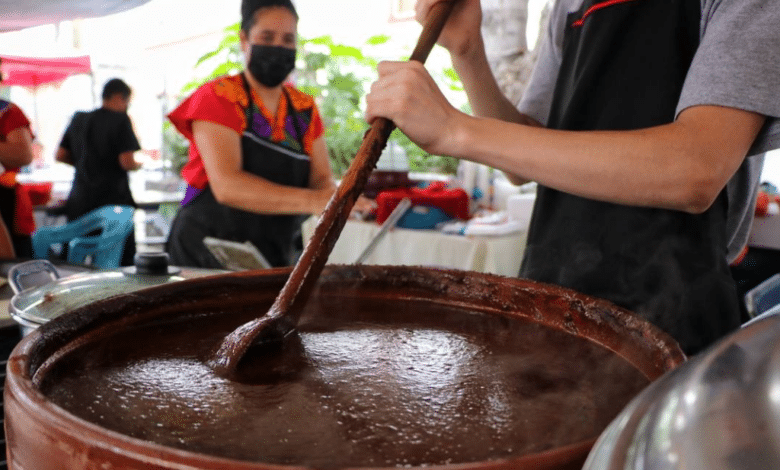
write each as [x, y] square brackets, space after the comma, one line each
[258, 159]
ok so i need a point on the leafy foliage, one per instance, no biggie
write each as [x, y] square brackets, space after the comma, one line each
[227, 57]
[337, 75]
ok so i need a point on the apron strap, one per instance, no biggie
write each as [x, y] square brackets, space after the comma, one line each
[249, 111]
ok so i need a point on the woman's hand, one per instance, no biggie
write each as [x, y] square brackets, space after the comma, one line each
[407, 95]
[321, 197]
[363, 208]
[462, 34]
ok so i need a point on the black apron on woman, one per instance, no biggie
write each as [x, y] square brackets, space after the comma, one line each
[624, 64]
[272, 234]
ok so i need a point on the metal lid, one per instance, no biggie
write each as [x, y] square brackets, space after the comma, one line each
[718, 411]
[36, 305]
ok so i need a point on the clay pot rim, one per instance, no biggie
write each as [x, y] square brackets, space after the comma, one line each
[20, 384]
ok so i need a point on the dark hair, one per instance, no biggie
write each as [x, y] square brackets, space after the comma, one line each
[1, 72]
[115, 86]
[250, 7]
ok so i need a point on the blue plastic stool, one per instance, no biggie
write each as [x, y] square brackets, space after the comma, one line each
[764, 297]
[104, 250]
[423, 217]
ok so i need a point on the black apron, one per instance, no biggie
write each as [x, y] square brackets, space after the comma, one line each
[272, 234]
[624, 63]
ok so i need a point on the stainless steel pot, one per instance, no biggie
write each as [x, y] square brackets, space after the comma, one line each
[718, 411]
[42, 293]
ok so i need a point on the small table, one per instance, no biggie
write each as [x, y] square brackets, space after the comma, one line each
[499, 254]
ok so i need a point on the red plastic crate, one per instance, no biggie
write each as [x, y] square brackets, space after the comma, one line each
[453, 202]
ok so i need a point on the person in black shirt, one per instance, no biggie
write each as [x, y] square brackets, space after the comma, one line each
[100, 145]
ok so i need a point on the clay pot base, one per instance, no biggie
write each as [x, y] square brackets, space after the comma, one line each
[400, 372]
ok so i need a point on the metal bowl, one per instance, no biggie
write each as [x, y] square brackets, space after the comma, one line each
[43, 292]
[718, 411]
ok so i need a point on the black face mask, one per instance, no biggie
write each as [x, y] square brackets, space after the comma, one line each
[270, 65]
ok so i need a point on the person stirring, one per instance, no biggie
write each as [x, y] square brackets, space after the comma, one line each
[637, 116]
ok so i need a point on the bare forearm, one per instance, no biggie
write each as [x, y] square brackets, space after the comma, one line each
[221, 154]
[254, 194]
[15, 154]
[128, 162]
[485, 97]
[63, 156]
[323, 183]
[618, 167]
[667, 166]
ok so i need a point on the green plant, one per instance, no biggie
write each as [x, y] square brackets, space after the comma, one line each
[226, 59]
[337, 76]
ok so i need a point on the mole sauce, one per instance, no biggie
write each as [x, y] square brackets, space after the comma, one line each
[368, 383]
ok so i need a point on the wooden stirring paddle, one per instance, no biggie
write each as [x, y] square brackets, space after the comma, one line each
[282, 318]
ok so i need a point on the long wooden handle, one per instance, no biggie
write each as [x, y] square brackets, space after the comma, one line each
[298, 287]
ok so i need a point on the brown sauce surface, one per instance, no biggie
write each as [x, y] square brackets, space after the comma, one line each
[372, 383]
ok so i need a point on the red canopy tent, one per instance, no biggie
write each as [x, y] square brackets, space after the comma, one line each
[35, 71]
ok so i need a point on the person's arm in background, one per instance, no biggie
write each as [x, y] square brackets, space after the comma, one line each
[126, 159]
[128, 162]
[320, 176]
[128, 143]
[63, 156]
[220, 150]
[16, 150]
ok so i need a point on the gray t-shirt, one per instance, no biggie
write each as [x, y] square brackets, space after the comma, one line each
[737, 65]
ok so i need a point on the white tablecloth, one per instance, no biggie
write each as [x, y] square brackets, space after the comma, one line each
[490, 254]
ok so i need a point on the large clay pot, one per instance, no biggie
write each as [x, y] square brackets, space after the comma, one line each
[43, 436]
